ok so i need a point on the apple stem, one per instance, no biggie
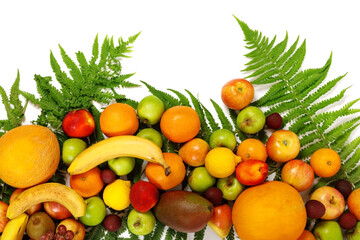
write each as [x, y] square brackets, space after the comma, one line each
[312, 225]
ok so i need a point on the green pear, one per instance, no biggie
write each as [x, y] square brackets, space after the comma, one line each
[328, 230]
[354, 235]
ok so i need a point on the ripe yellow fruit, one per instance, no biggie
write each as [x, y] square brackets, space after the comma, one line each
[221, 162]
[29, 155]
[117, 194]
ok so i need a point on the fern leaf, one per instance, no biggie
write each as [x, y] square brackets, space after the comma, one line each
[182, 98]
[170, 234]
[200, 234]
[168, 100]
[351, 163]
[225, 123]
[210, 119]
[95, 50]
[74, 70]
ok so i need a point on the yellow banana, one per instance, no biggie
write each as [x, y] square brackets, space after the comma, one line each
[15, 228]
[47, 192]
[119, 146]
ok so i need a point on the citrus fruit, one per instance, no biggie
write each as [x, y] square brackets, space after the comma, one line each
[156, 174]
[194, 152]
[272, 209]
[117, 194]
[221, 162]
[252, 148]
[29, 155]
[180, 124]
[306, 235]
[118, 119]
[325, 162]
[87, 184]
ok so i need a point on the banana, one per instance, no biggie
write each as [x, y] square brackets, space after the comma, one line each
[47, 192]
[15, 228]
[119, 146]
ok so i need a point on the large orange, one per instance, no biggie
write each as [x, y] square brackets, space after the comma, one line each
[180, 124]
[271, 211]
[87, 184]
[29, 155]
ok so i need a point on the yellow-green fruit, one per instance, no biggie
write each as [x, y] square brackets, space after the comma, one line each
[117, 194]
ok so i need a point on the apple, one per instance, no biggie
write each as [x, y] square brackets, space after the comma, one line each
[33, 209]
[78, 123]
[71, 148]
[252, 172]
[298, 174]
[237, 94]
[283, 146]
[75, 226]
[143, 196]
[3, 219]
[151, 134]
[327, 230]
[250, 120]
[56, 210]
[221, 220]
[95, 212]
[194, 152]
[141, 223]
[150, 109]
[200, 179]
[332, 199]
[223, 138]
[122, 165]
[355, 234]
[230, 187]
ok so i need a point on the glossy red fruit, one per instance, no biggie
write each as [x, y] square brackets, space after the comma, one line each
[274, 121]
[214, 195]
[56, 210]
[78, 123]
[344, 187]
[252, 172]
[143, 196]
[221, 220]
[347, 220]
[315, 209]
[112, 222]
[108, 176]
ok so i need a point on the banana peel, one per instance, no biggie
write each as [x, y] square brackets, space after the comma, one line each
[118, 146]
[47, 192]
[15, 228]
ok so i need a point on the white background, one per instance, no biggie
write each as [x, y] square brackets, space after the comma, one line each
[194, 45]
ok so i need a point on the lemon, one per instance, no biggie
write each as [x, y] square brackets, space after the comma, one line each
[220, 162]
[117, 194]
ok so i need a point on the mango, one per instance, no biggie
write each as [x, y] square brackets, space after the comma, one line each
[183, 211]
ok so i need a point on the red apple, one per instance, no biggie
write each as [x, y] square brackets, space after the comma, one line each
[56, 210]
[143, 196]
[3, 218]
[221, 220]
[237, 94]
[332, 199]
[298, 174]
[32, 209]
[283, 146]
[78, 123]
[252, 172]
[75, 226]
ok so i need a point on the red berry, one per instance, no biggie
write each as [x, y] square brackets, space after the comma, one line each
[61, 230]
[347, 220]
[274, 121]
[214, 195]
[69, 235]
[315, 209]
[108, 176]
[344, 187]
[112, 222]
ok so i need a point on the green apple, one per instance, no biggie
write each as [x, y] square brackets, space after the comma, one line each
[71, 148]
[230, 187]
[251, 120]
[95, 212]
[150, 109]
[151, 134]
[200, 180]
[327, 230]
[223, 138]
[122, 165]
[355, 234]
[141, 223]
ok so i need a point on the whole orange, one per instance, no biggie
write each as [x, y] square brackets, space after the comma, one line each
[180, 124]
[325, 162]
[87, 184]
[252, 148]
[273, 210]
[156, 174]
[306, 235]
[29, 155]
[118, 119]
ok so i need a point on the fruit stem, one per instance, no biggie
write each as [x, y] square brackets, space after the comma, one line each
[167, 171]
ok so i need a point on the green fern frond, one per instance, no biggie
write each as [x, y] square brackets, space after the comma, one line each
[182, 98]
[167, 99]
[200, 234]
[225, 123]
[170, 234]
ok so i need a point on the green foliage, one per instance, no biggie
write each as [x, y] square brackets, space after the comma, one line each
[302, 96]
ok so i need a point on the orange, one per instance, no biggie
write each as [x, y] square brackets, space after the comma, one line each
[119, 119]
[194, 152]
[272, 210]
[87, 184]
[29, 155]
[325, 162]
[306, 235]
[252, 148]
[156, 173]
[180, 124]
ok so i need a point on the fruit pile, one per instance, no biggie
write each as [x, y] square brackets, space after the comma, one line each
[218, 183]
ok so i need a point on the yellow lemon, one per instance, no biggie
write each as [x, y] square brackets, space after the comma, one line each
[221, 162]
[117, 194]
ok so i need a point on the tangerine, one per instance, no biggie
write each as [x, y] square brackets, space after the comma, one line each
[180, 124]
[87, 184]
[325, 162]
[269, 209]
[306, 235]
[252, 148]
[118, 119]
[156, 174]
